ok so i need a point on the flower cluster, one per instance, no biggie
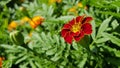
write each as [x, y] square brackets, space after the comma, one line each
[76, 29]
[75, 8]
[34, 22]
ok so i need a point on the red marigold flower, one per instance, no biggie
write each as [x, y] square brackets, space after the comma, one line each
[76, 29]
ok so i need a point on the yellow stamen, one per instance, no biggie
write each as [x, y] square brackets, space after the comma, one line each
[76, 27]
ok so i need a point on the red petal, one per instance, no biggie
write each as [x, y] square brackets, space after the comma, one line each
[64, 32]
[79, 18]
[87, 28]
[87, 19]
[72, 22]
[68, 38]
[66, 26]
[79, 37]
[74, 34]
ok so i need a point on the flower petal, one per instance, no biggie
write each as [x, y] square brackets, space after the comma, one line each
[87, 28]
[72, 22]
[67, 26]
[79, 37]
[68, 38]
[64, 32]
[74, 34]
[87, 19]
[79, 18]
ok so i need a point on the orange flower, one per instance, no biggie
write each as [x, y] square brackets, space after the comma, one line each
[76, 29]
[58, 1]
[24, 20]
[52, 1]
[85, 7]
[37, 20]
[80, 5]
[1, 59]
[12, 25]
[73, 10]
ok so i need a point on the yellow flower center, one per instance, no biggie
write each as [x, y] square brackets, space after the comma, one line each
[76, 27]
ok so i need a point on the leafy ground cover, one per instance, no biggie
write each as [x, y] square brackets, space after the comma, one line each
[59, 34]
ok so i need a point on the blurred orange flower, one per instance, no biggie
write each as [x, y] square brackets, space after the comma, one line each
[80, 5]
[24, 20]
[52, 1]
[1, 59]
[37, 20]
[73, 10]
[12, 25]
[58, 1]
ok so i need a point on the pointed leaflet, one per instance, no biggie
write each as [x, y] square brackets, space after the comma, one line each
[93, 30]
[103, 26]
[112, 38]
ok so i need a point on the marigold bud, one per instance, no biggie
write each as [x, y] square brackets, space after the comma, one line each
[17, 37]
[22, 8]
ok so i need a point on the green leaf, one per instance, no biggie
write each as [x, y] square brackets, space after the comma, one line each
[94, 30]
[112, 38]
[21, 59]
[82, 63]
[113, 50]
[66, 18]
[56, 38]
[114, 24]
[115, 61]
[51, 51]
[32, 64]
[101, 40]
[74, 45]
[103, 26]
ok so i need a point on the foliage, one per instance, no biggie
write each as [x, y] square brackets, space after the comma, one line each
[45, 48]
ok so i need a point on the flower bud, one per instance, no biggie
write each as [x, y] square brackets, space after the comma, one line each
[17, 37]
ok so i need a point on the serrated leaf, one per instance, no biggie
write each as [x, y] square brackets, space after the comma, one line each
[43, 36]
[66, 18]
[32, 64]
[102, 40]
[62, 42]
[56, 39]
[51, 51]
[94, 30]
[56, 57]
[82, 63]
[113, 50]
[75, 46]
[103, 26]
[112, 38]
[114, 24]
[21, 59]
